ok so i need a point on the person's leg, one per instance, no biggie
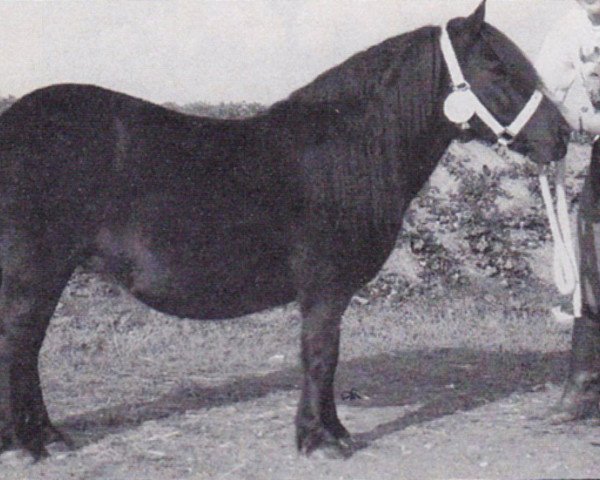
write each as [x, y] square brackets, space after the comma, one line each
[582, 391]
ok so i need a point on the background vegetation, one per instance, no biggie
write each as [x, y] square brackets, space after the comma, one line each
[221, 110]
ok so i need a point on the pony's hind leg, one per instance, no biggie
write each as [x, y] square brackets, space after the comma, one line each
[33, 277]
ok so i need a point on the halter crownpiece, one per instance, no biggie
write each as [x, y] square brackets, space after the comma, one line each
[462, 104]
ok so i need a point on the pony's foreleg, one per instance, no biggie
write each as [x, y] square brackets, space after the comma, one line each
[317, 423]
[32, 282]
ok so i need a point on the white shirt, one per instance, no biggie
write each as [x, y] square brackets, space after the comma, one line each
[561, 58]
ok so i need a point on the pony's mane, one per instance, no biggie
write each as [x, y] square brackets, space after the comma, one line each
[357, 76]
[378, 105]
[363, 72]
[383, 107]
[512, 57]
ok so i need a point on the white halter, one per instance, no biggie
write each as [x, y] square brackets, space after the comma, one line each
[462, 103]
[460, 106]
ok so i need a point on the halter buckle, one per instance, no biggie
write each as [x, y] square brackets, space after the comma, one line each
[461, 87]
[505, 138]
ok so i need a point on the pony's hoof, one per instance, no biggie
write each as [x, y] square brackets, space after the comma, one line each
[322, 444]
[53, 435]
[35, 445]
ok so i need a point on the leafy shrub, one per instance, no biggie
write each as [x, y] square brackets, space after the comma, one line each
[493, 242]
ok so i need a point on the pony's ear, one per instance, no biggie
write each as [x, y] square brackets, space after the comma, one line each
[468, 28]
[475, 21]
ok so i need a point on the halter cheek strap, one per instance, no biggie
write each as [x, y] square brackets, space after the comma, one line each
[470, 104]
[460, 106]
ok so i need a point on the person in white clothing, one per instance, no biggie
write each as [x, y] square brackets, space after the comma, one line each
[569, 67]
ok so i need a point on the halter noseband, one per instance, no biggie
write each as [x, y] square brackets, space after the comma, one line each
[462, 103]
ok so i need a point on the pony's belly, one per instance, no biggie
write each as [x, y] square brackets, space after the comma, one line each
[235, 273]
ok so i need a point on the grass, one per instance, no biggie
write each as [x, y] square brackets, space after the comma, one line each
[104, 348]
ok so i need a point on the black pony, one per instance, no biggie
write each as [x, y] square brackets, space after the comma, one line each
[210, 218]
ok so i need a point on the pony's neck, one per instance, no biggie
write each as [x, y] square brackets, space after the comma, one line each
[376, 129]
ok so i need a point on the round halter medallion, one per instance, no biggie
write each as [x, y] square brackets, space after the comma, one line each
[460, 106]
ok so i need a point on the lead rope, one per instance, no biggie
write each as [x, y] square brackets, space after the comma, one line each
[566, 275]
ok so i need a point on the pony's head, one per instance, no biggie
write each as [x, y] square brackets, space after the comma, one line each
[504, 81]
[590, 74]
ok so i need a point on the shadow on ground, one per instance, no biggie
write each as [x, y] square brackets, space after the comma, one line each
[442, 381]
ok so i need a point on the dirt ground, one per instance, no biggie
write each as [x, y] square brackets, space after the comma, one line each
[450, 413]
[440, 407]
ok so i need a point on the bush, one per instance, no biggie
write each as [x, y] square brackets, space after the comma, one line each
[491, 242]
